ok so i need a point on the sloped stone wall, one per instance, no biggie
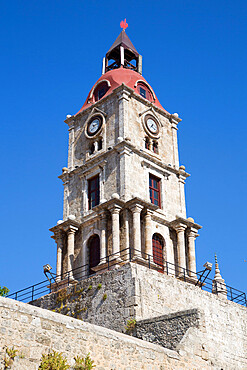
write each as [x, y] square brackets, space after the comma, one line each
[167, 330]
[34, 331]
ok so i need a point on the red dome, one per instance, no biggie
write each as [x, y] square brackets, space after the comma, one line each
[117, 77]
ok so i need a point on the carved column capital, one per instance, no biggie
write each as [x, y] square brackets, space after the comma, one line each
[114, 209]
[136, 208]
[71, 229]
[192, 233]
[180, 227]
[149, 213]
[58, 236]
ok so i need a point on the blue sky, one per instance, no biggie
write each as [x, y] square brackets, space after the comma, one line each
[194, 57]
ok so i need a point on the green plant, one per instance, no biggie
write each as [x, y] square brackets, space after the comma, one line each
[90, 287]
[84, 363]
[131, 324]
[99, 286]
[9, 357]
[61, 295]
[53, 361]
[4, 291]
[104, 297]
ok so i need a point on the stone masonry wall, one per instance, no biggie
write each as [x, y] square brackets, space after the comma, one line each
[224, 341]
[134, 291]
[33, 331]
[103, 299]
[167, 330]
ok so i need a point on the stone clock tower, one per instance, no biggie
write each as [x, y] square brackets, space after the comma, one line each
[123, 187]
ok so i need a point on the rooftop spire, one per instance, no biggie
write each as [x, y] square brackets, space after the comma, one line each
[122, 53]
[218, 285]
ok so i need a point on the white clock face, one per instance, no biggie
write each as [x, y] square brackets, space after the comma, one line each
[94, 126]
[152, 125]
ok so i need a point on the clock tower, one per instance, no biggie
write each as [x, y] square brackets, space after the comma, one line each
[123, 187]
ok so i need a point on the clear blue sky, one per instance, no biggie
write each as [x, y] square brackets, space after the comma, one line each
[194, 57]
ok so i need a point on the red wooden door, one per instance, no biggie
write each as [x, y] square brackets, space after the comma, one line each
[94, 253]
[158, 251]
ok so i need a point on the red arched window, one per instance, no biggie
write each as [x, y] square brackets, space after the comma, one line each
[144, 91]
[100, 91]
[94, 252]
[158, 250]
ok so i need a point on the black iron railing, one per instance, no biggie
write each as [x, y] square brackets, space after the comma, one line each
[117, 259]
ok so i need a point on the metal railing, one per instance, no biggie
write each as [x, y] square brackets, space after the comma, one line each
[127, 255]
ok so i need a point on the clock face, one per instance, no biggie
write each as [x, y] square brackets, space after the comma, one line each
[152, 125]
[94, 126]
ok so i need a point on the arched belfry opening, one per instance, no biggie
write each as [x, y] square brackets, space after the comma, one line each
[93, 252]
[158, 244]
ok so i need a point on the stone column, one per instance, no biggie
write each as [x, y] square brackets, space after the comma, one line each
[181, 247]
[103, 244]
[126, 235]
[136, 211]
[71, 248]
[59, 240]
[148, 235]
[191, 235]
[115, 210]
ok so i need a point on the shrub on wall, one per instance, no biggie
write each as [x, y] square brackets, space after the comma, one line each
[4, 291]
[53, 361]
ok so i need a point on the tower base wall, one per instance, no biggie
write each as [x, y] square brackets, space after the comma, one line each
[135, 292]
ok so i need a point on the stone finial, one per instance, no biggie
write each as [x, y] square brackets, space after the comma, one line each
[190, 219]
[218, 285]
[71, 217]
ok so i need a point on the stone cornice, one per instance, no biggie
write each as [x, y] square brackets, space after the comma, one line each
[119, 147]
[187, 222]
[63, 226]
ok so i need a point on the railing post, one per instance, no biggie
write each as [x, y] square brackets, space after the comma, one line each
[167, 267]
[68, 278]
[149, 264]
[231, 293]
[184, 274]
[32, 291]
[108, 264]
[130, 253]
[16, 296]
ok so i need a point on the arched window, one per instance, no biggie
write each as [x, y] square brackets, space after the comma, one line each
[100, 91]
[158, 250]
[94, 252]
[144, 91]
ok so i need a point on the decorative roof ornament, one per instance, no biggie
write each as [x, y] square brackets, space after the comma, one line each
[124, 24]
[218, 285]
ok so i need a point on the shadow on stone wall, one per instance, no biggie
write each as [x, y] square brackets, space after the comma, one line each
[167, 330]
